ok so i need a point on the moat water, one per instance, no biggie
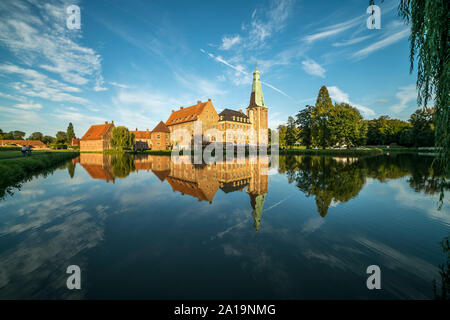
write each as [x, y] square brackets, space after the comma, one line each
[149, 228]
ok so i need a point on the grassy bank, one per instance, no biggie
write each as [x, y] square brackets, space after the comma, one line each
[14, 171]
[330, 152]
[407, 149]
[11, 154]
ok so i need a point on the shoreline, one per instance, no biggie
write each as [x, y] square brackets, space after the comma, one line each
[15, 171]
[294, 151]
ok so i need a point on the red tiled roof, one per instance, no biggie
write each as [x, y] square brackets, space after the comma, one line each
[186, 114]
[96, 132]
[161, 127]
[142, 134]
[187, 187]
[162, 175]
[34, 143]
[98, 172]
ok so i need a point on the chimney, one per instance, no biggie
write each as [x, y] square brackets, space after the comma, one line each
[147, 129]
[240, 110]
[106, 122]
[181, 108]
[199, 101]
[173, 111]
[136, 129]
[209, 100]
[112, 121]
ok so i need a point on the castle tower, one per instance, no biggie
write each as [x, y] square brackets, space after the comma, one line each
[258, 112]
[258, 189]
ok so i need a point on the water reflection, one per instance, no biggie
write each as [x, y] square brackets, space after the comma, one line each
[130, 222]
[331, 180]
[441, 288]
[198, 181]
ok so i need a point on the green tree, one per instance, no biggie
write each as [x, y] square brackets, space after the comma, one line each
[282, 136]
[71, 169]
[423, 127]
[48, 139]
[70, 133]
[346, 126]
[320, 114]
[304, 122]
[291, 132]
[406, 137]
[385, 130]
[122, 138]
[8, 135]
[61, 137]
[17, 135]
[429, 43]
[36, 136]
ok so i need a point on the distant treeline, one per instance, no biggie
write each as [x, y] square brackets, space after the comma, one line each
[326, 125]
[61, 138]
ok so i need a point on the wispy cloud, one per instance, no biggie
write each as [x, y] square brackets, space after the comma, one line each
[29, 106]
[228, 42]
[119, 85]
[36, 84]
[266, 22]
[12, 97]
[334, 29]
[204, 88]
[43, 40]
[240, 70]
[405, 95]
[20, 116]
[351, 41]
[313, 68]
[387, 41]
[339, 96]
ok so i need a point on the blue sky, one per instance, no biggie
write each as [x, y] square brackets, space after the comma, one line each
[134, 61]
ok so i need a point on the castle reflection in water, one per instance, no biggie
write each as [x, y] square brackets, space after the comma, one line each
[198, 181]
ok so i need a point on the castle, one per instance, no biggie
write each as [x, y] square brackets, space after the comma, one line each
[229, 126]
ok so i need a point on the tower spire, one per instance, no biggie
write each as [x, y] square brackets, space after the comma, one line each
[256, 98]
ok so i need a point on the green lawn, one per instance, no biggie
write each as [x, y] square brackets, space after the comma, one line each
[15, 169]
[11, 154]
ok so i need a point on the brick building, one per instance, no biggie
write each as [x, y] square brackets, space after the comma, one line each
[234, 125]
[187, 118]
[75, 142]
[19, 143]
[143, 136]
[160, 137]
[97, 138]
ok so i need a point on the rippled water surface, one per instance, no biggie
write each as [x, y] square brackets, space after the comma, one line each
[147, 227]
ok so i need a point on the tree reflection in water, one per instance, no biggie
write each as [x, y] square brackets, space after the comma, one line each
[444, 271]
[333, 179]
[328, 179]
